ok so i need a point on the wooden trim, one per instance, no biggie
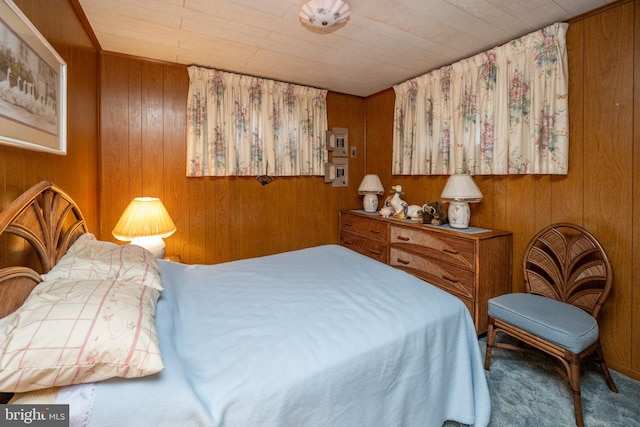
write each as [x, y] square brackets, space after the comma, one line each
[85, 24]
[597, 11]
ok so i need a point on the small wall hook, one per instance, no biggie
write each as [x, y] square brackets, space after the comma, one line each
[264, 179]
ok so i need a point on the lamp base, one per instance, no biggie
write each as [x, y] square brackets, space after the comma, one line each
[459, 214]
[155, 245]
[370, 202]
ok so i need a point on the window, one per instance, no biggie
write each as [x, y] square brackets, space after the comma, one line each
[244, 125]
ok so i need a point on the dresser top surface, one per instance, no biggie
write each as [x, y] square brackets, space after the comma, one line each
[470, 233]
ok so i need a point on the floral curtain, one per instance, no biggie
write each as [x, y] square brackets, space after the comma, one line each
[244, 125]
[504, 111]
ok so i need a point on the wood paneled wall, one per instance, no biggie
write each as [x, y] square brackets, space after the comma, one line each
[143, 151]
[601, 191]
[77, 172]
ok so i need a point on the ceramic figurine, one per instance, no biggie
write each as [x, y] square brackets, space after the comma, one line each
[386, 211]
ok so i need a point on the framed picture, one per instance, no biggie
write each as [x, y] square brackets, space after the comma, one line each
[338, 141]
[33, 86]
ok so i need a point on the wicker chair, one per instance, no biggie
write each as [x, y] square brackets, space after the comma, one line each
[568, 278]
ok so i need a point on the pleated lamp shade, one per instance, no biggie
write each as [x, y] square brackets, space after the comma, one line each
[461, 187]
[145, 222]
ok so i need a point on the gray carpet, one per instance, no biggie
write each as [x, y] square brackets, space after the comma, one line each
[527, 390]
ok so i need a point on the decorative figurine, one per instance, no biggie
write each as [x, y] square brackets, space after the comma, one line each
[401, 209]
[386, 211]
[397, 205]
[433, 213]
[414, 212]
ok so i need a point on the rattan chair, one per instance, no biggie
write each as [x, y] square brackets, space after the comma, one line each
[568, 278]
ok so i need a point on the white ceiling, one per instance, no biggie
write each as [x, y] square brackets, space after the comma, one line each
[385, 42]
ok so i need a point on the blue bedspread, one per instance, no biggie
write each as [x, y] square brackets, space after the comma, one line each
[317, 337]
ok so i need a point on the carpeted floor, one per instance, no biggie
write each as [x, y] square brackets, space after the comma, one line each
[527, 390]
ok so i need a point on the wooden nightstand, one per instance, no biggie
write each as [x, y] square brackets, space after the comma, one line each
[472, 264]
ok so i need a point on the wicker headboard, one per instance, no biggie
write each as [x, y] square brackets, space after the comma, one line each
[36, 230]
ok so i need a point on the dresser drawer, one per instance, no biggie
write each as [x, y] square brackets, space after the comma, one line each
[371, 248]
[458, 281]
[472, 266]
[368, 228]
[434, 245]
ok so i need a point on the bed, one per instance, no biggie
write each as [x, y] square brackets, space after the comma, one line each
[321, 336]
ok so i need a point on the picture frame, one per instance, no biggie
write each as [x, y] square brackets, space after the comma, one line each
[33, 86]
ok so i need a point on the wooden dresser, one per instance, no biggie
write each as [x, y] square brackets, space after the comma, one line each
[474, 265]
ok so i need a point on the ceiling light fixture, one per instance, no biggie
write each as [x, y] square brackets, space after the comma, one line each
[324, 14]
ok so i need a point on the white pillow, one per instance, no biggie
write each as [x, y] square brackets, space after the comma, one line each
[78, 331]
[88, 258]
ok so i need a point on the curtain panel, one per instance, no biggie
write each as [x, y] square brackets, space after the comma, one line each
[504, 111]
[243, 125]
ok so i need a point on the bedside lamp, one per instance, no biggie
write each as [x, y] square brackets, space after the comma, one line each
[459, 191]
[145, 222]
[370, 188]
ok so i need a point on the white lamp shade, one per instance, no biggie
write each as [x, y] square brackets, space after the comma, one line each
[324, 13]
[144, 217]
[461, 187]
[370, 184]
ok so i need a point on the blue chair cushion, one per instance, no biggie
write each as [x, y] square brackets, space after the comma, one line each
[563, 324]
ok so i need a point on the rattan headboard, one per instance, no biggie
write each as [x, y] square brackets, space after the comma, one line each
[36, 230]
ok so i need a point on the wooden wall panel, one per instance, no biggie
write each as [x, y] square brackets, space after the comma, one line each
[200, 239]
[568, 194]
[152, 121]
[133, 127]
[601, 190]
[76, 172]
[635, 232]
[115, 171]
[175, 188]
[143, 152]
[608, 157]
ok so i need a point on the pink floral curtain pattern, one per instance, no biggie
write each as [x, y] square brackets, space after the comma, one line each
[504, 111]
[244, 125]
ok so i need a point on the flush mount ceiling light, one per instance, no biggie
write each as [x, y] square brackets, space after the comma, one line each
[324, 15]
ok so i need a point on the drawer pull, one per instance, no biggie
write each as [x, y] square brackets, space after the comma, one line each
[348, 242]
[403, 261]
[374, 231]
[404, 239]
[347, 224]
[450, 278]
[451, 251]
[371, 251]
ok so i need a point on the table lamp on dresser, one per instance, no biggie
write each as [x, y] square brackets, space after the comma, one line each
[370, 188]
[459, 191]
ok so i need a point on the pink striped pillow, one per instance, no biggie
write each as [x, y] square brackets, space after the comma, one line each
[89, 258]
[78, 331]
